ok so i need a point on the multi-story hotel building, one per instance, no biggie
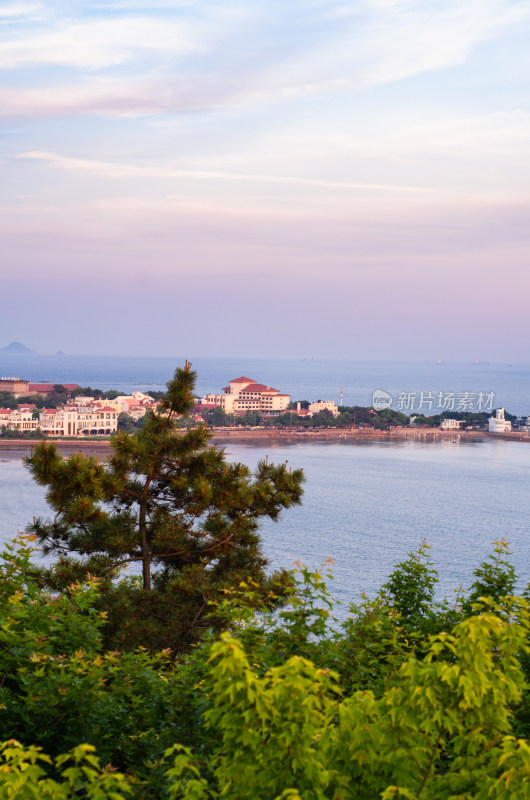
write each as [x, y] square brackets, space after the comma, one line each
[85, 417]
[245, 394]
[74, 420]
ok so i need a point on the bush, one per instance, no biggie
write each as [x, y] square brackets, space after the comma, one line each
[285, 704]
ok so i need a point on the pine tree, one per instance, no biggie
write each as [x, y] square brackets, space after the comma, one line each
[170, 503]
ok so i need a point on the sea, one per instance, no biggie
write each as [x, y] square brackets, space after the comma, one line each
[366, 504]
[303, 379]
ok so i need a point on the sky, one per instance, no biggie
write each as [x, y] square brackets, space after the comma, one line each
[322, 179]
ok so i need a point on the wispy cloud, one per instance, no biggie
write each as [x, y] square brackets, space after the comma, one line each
[9, 11]
[116, 170]
[383, 41]
[146, 5]
[100, 43]
[132, 96]
[242, 56]
[382, 144]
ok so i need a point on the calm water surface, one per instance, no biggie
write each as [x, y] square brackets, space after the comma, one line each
[302, 379]
[367, 504]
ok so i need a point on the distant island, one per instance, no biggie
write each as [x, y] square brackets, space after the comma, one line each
[17, 349]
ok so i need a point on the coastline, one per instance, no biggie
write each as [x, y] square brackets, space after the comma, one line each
[338, 435]
[17, 448]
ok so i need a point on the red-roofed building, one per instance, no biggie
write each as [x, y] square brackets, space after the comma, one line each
[5, 417]
[19, 419]
[245, 394]
[200, 410]
[303, 412]
[47, 388]
[257, 388]
[199, 407]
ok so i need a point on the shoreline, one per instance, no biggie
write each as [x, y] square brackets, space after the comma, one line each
[13, 448]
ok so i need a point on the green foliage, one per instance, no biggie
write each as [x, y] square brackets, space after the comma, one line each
[217, 418]
[294, 405]
[349, 416]
[169, 504]
[87, 391]
[371, 647]
[78, 774]
[302, 625]
[7, 400]
[60, 688]
[127, 424]
[58, 396]
[249, 418]
[410, 588]
[288, 704]
[494, 578]
[97, 394]
[440, 732]
[14, 433]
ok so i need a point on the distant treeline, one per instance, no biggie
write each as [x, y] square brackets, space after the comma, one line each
[348, 417]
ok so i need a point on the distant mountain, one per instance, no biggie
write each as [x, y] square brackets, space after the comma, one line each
[17, 349]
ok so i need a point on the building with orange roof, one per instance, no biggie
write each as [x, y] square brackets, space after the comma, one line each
[46, 389]
[245, 394]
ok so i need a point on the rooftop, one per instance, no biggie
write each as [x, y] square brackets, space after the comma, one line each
[259, 387]
[48, 387]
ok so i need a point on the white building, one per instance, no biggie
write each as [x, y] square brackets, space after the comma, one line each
[245, 394]
[19, 419]
[450, 424]
[498, 423]
[88, 417]
[135, 405]
[79, 420]
[324, 405]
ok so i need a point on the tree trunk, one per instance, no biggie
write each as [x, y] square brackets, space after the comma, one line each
[146, 559]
